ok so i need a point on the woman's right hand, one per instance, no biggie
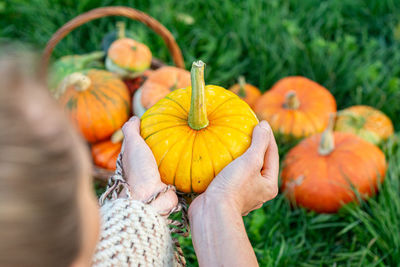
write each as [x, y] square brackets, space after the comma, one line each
[251, 179]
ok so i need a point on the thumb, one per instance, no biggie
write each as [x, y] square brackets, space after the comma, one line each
[260, 138]
[132, 126]
[259, 143]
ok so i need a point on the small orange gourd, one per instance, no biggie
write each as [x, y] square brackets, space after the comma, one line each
[247, 92]
[196, 131]
[97, 102]
[366, 122]
[127, 57]
[159, 83]
[296, 106]
[105, 153]
[323, 172]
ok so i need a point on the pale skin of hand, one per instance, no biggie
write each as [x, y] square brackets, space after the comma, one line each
[141, 171]
[218, 232]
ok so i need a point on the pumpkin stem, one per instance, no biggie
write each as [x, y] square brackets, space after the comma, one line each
[80, 81]
[197, 114]
[327, 142]
[242, 84]
[121, 29]
[117, 136]
[357, 121]
[291, 100]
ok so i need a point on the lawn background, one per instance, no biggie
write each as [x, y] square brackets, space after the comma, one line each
[352, 47]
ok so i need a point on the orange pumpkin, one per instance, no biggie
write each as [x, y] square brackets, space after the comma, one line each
[249, 93]
[323, 172]
[196, 131]
[159, 84]
[127, 57]
[97, 102]
[105, 153]
[296, 106]
[366, 122]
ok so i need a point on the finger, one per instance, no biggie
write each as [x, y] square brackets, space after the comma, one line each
[270, 168]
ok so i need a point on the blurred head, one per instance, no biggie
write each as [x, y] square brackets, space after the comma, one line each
[48, 211]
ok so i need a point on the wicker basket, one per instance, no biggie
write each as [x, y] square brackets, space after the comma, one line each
[99, 173]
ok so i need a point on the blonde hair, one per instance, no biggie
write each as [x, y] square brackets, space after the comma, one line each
[39, 171]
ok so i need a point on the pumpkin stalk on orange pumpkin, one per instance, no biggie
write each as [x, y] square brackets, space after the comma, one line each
[291, 100]
[246, 91]
[327, 142]
[121, 29]
[242, 84]
[80, 81]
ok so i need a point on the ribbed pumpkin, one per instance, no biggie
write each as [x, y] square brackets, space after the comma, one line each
[105, 153]
[247, 92]
[196, 131]
[159, 84]
[296, 106]
[323, 172]
[97, 101]
[127, 57]
[366, 122]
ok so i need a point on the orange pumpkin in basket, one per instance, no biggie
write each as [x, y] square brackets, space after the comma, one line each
[127, 57]
[366, 122]
[296, 106]
[159, 84]
[324, 171]
[249, 93]
[196, 131]
[97, 102]
[105, 154]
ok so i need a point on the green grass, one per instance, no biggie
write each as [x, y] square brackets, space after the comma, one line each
[352, 47]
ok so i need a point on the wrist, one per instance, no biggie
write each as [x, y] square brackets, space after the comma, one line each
[209, 202]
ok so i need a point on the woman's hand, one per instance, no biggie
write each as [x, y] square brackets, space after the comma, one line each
[140, 169]
[251, 179]
[218, 232]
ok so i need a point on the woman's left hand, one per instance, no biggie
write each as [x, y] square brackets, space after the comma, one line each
[141, 170]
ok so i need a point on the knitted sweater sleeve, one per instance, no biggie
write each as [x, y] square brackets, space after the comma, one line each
[133, 234]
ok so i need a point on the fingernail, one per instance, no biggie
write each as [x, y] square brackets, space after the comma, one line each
[133, 118]
[265, 125]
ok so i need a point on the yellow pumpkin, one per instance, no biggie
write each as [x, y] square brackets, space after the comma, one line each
[196, 131]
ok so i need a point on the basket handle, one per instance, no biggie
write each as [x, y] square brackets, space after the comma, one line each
[128, 12]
